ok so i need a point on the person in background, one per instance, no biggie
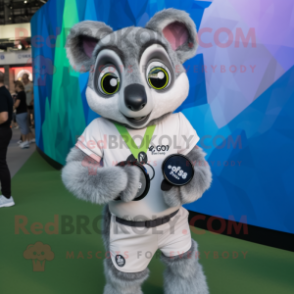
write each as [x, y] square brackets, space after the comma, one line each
[22, 114]
[6, 106]
[29, 89]
[14, 123]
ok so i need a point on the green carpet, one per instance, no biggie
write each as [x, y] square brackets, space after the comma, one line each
[39, 195]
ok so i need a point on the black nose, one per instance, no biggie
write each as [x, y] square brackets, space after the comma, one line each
[135, 97]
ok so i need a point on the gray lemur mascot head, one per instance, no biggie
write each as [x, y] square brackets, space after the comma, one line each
[136, 79]
[136, 74]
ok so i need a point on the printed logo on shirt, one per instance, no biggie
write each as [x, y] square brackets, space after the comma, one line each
[120, 260]
[159, 149]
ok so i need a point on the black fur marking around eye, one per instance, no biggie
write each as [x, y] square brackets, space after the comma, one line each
[115, 49]
[148, 44]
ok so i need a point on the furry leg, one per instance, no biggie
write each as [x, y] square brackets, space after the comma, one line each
[122, 283]
[117, 281]
[184, 274]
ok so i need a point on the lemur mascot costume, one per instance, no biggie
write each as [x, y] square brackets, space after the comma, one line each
[137, 80]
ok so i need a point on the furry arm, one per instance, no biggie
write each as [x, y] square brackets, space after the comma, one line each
[189, 193]
[89, 181]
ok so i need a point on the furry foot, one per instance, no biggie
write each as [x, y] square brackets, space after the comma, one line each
[184, 274]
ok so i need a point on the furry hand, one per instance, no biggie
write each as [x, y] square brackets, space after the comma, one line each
[133, 177]
[89, 181]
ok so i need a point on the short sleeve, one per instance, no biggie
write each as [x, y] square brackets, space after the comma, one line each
[188, 137]
[4, 104]
[21, 96]
[91, 142]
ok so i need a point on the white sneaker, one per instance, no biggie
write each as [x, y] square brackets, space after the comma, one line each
[19, 142]
[4, 202]
[33, 141]
[24, 145]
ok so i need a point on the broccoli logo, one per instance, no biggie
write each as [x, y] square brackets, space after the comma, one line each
[38, 253]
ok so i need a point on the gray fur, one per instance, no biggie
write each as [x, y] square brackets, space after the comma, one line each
[75, 154]
[75, 53]
[165, 17]
[123, 283]
[104, 186]
[128, 44]
[119, 282]
[106, 226]
[133, 181]
[131, 41]
[194, 190]
[101, 187]
[184, 274]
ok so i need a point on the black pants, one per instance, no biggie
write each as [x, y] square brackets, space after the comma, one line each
[5, 179]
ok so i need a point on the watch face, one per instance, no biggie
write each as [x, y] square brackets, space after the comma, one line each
[177, 170]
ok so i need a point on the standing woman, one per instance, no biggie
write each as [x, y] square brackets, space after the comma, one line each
[22, 114]
[6, 104]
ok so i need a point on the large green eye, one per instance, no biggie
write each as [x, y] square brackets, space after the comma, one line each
[109, 84]
[158, 78]
[158, 75]
[109, 81]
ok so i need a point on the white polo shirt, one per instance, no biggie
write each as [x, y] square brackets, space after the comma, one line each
[172, 135]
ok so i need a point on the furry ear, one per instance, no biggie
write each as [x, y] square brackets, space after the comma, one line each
[178, 29]
[81, 42]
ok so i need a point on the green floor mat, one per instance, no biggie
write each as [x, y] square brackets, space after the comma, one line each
[73, 259]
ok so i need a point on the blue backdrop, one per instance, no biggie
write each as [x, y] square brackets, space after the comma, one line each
[240, 102]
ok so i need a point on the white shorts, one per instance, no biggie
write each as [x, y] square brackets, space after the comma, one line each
[132, 248]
